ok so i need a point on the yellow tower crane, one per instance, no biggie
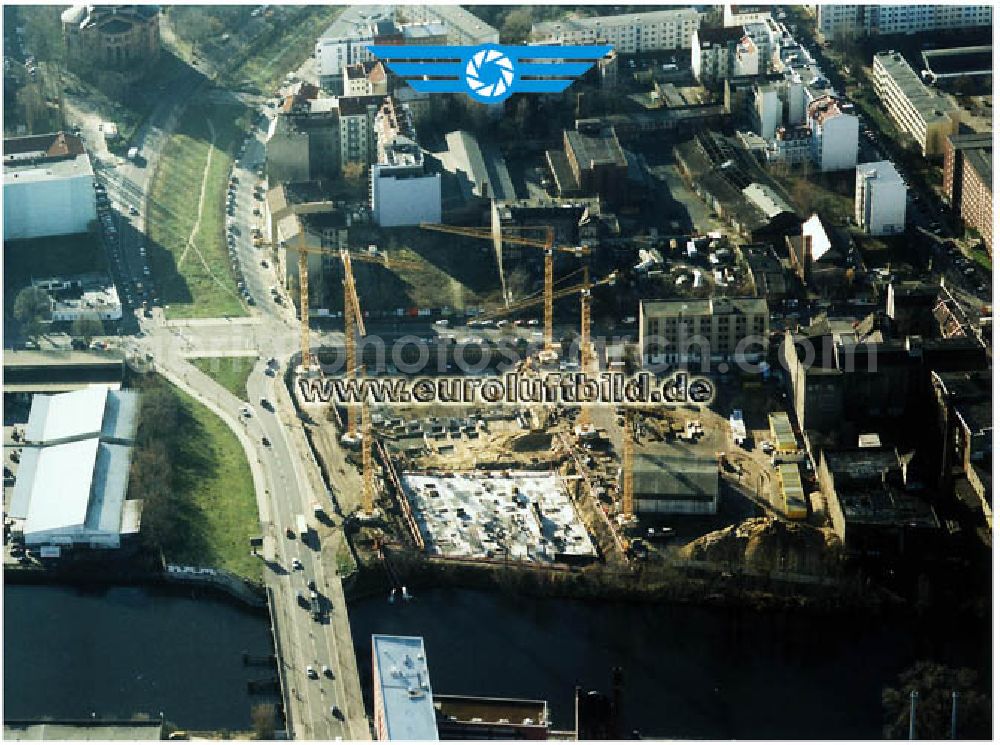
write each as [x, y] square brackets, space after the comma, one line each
[354, 326]
[303, 250]
[584, 288]
[628, 466]
[547, 245]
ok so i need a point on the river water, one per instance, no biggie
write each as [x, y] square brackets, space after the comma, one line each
[690, 672]
[124, 650]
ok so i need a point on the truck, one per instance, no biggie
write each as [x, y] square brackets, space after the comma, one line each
[303, 527]
[314, 605]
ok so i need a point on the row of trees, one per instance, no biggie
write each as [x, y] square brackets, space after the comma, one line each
[33, 308]
[152, 473]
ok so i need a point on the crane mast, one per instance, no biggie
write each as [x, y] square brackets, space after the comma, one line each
[547, 245]
[628, 457]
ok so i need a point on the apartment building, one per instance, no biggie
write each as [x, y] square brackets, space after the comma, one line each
[348, 46]
[836, 21]
[927, 115]
[968, 181]
[713, 53]
[834, 133]
[460, 26]
[629, 33]
[880, 198]
[366, 79]
[682, 331]
[402, 190]
[741, 15]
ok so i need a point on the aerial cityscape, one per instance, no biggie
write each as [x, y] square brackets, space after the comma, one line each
[464, 372]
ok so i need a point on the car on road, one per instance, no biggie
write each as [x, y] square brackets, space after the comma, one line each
[263, 264]
[327, 671]
[296, 564]
[266, 404]
[268, 372]
[266, 442]
[337, 713]
[290, 533]
[311, 584]
[133, 211]
[311, 672]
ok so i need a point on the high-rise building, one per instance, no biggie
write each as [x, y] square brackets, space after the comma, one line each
[880, 198]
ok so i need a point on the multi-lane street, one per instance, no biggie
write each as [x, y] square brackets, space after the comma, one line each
[319, 671]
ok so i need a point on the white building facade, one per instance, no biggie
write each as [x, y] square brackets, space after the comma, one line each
[48, 187]
[629, 33]
[849, 21]
[834, 135]
[880, 199]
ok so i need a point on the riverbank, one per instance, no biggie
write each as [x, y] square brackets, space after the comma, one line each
[215, 584]
[694, 583]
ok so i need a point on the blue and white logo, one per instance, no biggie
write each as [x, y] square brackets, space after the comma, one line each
[489, 73]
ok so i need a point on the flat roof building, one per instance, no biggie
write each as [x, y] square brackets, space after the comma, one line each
[629, 33]
[879, 198]
[927, 115]
[968, 181]
[47, 186]
[869, 506]
[73, 476]
[483, 718]
[670, 485]
[462, 26]
[837, 21]
[682, 331]
[403, 703]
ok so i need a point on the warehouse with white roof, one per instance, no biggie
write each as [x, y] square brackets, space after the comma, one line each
[73, 477]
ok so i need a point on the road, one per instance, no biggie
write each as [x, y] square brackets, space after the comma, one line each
[287, 480]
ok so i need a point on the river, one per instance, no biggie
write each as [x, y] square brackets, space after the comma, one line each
[120, 651]
[690, 672]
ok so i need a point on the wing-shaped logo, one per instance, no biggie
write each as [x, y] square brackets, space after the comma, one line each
[489, 73]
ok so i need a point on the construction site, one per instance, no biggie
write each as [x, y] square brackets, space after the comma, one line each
[534, 486]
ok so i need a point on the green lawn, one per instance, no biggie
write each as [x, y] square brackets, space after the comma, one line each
[229, 372]
[214, 505]
[981, 257]
[194, 274]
